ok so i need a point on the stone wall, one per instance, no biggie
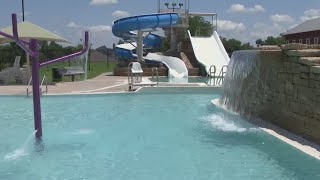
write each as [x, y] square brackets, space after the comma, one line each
[283, 88]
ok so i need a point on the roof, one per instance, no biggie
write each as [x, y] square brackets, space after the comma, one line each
[27, 31]
[307, 26]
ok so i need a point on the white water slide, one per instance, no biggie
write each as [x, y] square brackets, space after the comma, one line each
[176, 66]
[210, 51]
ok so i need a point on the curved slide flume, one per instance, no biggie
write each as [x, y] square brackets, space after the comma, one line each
[123, 28]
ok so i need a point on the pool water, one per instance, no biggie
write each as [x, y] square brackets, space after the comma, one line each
[180, 80]
[141, 136]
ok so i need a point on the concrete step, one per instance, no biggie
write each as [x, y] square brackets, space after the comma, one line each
[309, 61]
[304, 53]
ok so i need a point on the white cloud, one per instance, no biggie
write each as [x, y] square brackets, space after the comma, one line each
[99, 28]
[262, 30]
[310, 14]
[94, 29]
[120, 14]
[239, 8]
[103, 2]
[281, 19]
[73, 25]
[224, 25]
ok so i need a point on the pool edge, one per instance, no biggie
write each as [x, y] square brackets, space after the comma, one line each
[290, 138]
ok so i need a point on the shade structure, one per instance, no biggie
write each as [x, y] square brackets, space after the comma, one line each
[28, 30]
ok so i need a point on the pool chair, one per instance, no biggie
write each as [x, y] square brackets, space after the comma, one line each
[9, 74]
[135, 73]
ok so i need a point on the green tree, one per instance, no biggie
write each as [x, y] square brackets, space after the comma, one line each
[8, 53]
[271, 41]
[232, 45]
[259, 42]
[198, 26]
[48, 50]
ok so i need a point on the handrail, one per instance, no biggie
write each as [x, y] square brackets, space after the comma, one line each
[30, 80]
[130, 77]
[44, 80]
[222, 73]
[209, 74]
[157, 74]
[200, 30]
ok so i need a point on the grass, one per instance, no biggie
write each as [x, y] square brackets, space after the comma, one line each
[96, 68]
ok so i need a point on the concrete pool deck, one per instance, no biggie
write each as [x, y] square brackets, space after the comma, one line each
[104, 83]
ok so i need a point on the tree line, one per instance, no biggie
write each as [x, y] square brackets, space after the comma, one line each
[47, 50]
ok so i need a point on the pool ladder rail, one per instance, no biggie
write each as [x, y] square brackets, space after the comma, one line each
[135, 73]
[44, 80]
[212, 79]
[155, 72]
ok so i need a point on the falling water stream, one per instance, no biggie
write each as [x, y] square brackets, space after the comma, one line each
[21, 151]
[242, 64]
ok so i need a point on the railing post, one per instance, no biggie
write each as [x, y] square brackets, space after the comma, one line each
[36, 88]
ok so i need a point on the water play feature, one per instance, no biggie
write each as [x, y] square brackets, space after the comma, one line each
[122, 28]
[242, 65]
[33, 51]
[280, 86]
[209, 51]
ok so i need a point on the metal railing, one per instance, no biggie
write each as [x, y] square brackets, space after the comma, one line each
[155, 70]
[212, 79]
[44, 80]
[211, 74]
[222, 74]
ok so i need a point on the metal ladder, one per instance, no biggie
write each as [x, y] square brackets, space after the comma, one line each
[222, 74]
[44, 80]
[155, 70]
[211, 75]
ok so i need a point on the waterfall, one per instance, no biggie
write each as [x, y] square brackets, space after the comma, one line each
[242, 74]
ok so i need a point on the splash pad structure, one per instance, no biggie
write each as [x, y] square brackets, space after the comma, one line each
[34, 53]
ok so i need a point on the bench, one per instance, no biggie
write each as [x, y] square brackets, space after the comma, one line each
[71, 71]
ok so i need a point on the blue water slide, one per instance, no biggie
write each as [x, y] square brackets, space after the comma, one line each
[122, 28]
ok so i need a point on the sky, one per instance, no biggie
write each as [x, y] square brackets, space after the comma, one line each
[245, 20]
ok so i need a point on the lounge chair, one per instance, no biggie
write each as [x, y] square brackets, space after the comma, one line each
[9, 74]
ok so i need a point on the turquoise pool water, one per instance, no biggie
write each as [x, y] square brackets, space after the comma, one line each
[141, 136]
[180, 80]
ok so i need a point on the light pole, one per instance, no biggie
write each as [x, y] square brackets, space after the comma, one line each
[173, 6]
[22, 10]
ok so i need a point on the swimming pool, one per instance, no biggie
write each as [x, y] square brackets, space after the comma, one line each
[146, 135]
[180, 80]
